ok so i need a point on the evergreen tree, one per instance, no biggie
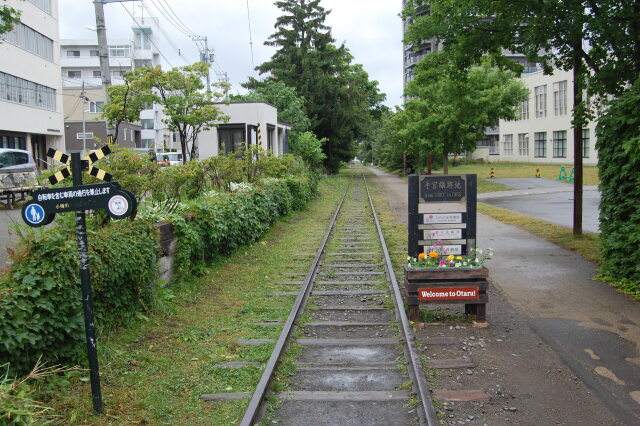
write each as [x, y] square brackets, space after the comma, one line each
[339, 97]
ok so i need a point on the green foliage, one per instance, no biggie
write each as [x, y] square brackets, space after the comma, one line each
[216, 226]
[340, 100]
[189, 108]
[618, 147]
[8, 17]
[40, 306]
[450, 110]
[309, 148]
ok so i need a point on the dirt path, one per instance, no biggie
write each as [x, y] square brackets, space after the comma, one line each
[561, 348]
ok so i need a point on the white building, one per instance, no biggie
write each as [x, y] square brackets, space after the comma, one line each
[244, 120]
[543, 133]
[81, 64]
[30, 87]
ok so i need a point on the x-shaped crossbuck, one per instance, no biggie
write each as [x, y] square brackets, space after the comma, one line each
[87, 164]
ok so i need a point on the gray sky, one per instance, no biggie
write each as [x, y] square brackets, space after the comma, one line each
[371, 29]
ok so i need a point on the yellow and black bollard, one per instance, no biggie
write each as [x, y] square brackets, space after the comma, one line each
[492, 174]
[538, 172]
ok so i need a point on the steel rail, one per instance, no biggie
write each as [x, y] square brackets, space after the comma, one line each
[416, 365]
[255, 403]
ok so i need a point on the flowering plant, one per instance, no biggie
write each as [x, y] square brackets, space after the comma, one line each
[436, 258]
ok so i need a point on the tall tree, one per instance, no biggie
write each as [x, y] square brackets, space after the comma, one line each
[339, 97]
[452, 108]
[8, 17]
[598, 39]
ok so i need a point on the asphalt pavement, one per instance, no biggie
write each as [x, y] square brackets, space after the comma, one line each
[547, 200]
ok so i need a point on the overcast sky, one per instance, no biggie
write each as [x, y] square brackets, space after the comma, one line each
[371, 29]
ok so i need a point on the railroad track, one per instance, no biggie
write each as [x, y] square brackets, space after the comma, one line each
[357, 362]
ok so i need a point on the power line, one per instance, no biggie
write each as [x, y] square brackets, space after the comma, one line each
[177, 17]
[182, 28]
[166, 36]
[151, 41]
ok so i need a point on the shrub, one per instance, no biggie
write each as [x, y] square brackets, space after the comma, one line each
[619, 163]
[40, 299]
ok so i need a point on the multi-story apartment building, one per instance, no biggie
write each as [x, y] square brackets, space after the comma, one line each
[543, 132]
[81, 66]
[30, 87]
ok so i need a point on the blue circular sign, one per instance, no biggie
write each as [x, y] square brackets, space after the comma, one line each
[34, 214]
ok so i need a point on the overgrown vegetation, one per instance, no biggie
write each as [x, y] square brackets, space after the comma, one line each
[619, 158]
[216, 206]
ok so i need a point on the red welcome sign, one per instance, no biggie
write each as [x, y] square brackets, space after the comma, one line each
[448, 293]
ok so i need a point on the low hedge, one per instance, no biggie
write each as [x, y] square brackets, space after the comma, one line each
[40, 308]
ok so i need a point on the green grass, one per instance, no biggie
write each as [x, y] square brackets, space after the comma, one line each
[155, 371]
[513, 170]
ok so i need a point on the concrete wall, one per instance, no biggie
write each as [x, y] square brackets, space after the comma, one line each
[27, 120]
[548, 124]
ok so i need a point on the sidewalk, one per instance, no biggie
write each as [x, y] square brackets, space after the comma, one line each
[593, 329]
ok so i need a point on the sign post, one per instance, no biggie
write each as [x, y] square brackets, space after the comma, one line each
[41, 210]
[442, 212]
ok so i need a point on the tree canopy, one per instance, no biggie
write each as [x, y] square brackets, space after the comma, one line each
[340, 100]
[451, 109]
[189, 109]
[8, 17]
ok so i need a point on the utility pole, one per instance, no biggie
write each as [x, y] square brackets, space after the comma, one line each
[83, 95]
[103, 50]
[206, 56]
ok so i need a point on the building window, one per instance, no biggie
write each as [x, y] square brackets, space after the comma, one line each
[560, 144]
[97, 74]
[30, 40]
[119, 51]
[585, 143]
[541, 101]
[523, 144]
[524, 110]
[230, 139]
[74, 74]
[13, 142]
[560, 98]
[44, 5]
[540, 142]
[94, 53]
[73, 53]
[95, 107]
[118, 74]
[15, 89]
[147, 123]
[508, 145]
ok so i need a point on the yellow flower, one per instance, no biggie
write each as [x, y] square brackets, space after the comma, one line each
[433, 255]
[450, 257]
[459, 258]
[422, 255]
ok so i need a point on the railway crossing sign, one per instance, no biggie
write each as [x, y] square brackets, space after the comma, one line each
[42, 209]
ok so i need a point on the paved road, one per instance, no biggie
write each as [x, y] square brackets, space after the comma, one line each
[592, 328]
[548, 200]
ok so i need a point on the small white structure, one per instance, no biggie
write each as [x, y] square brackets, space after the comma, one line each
[30, 87]
[543, 133]
[245, 118]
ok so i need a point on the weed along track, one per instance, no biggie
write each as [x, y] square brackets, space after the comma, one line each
[353, 355]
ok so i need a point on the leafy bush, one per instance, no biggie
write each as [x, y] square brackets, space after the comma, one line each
[216, 226]
[619, 163]
[40, 299]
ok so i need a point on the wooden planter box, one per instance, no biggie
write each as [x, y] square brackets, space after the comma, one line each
[447, 285]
